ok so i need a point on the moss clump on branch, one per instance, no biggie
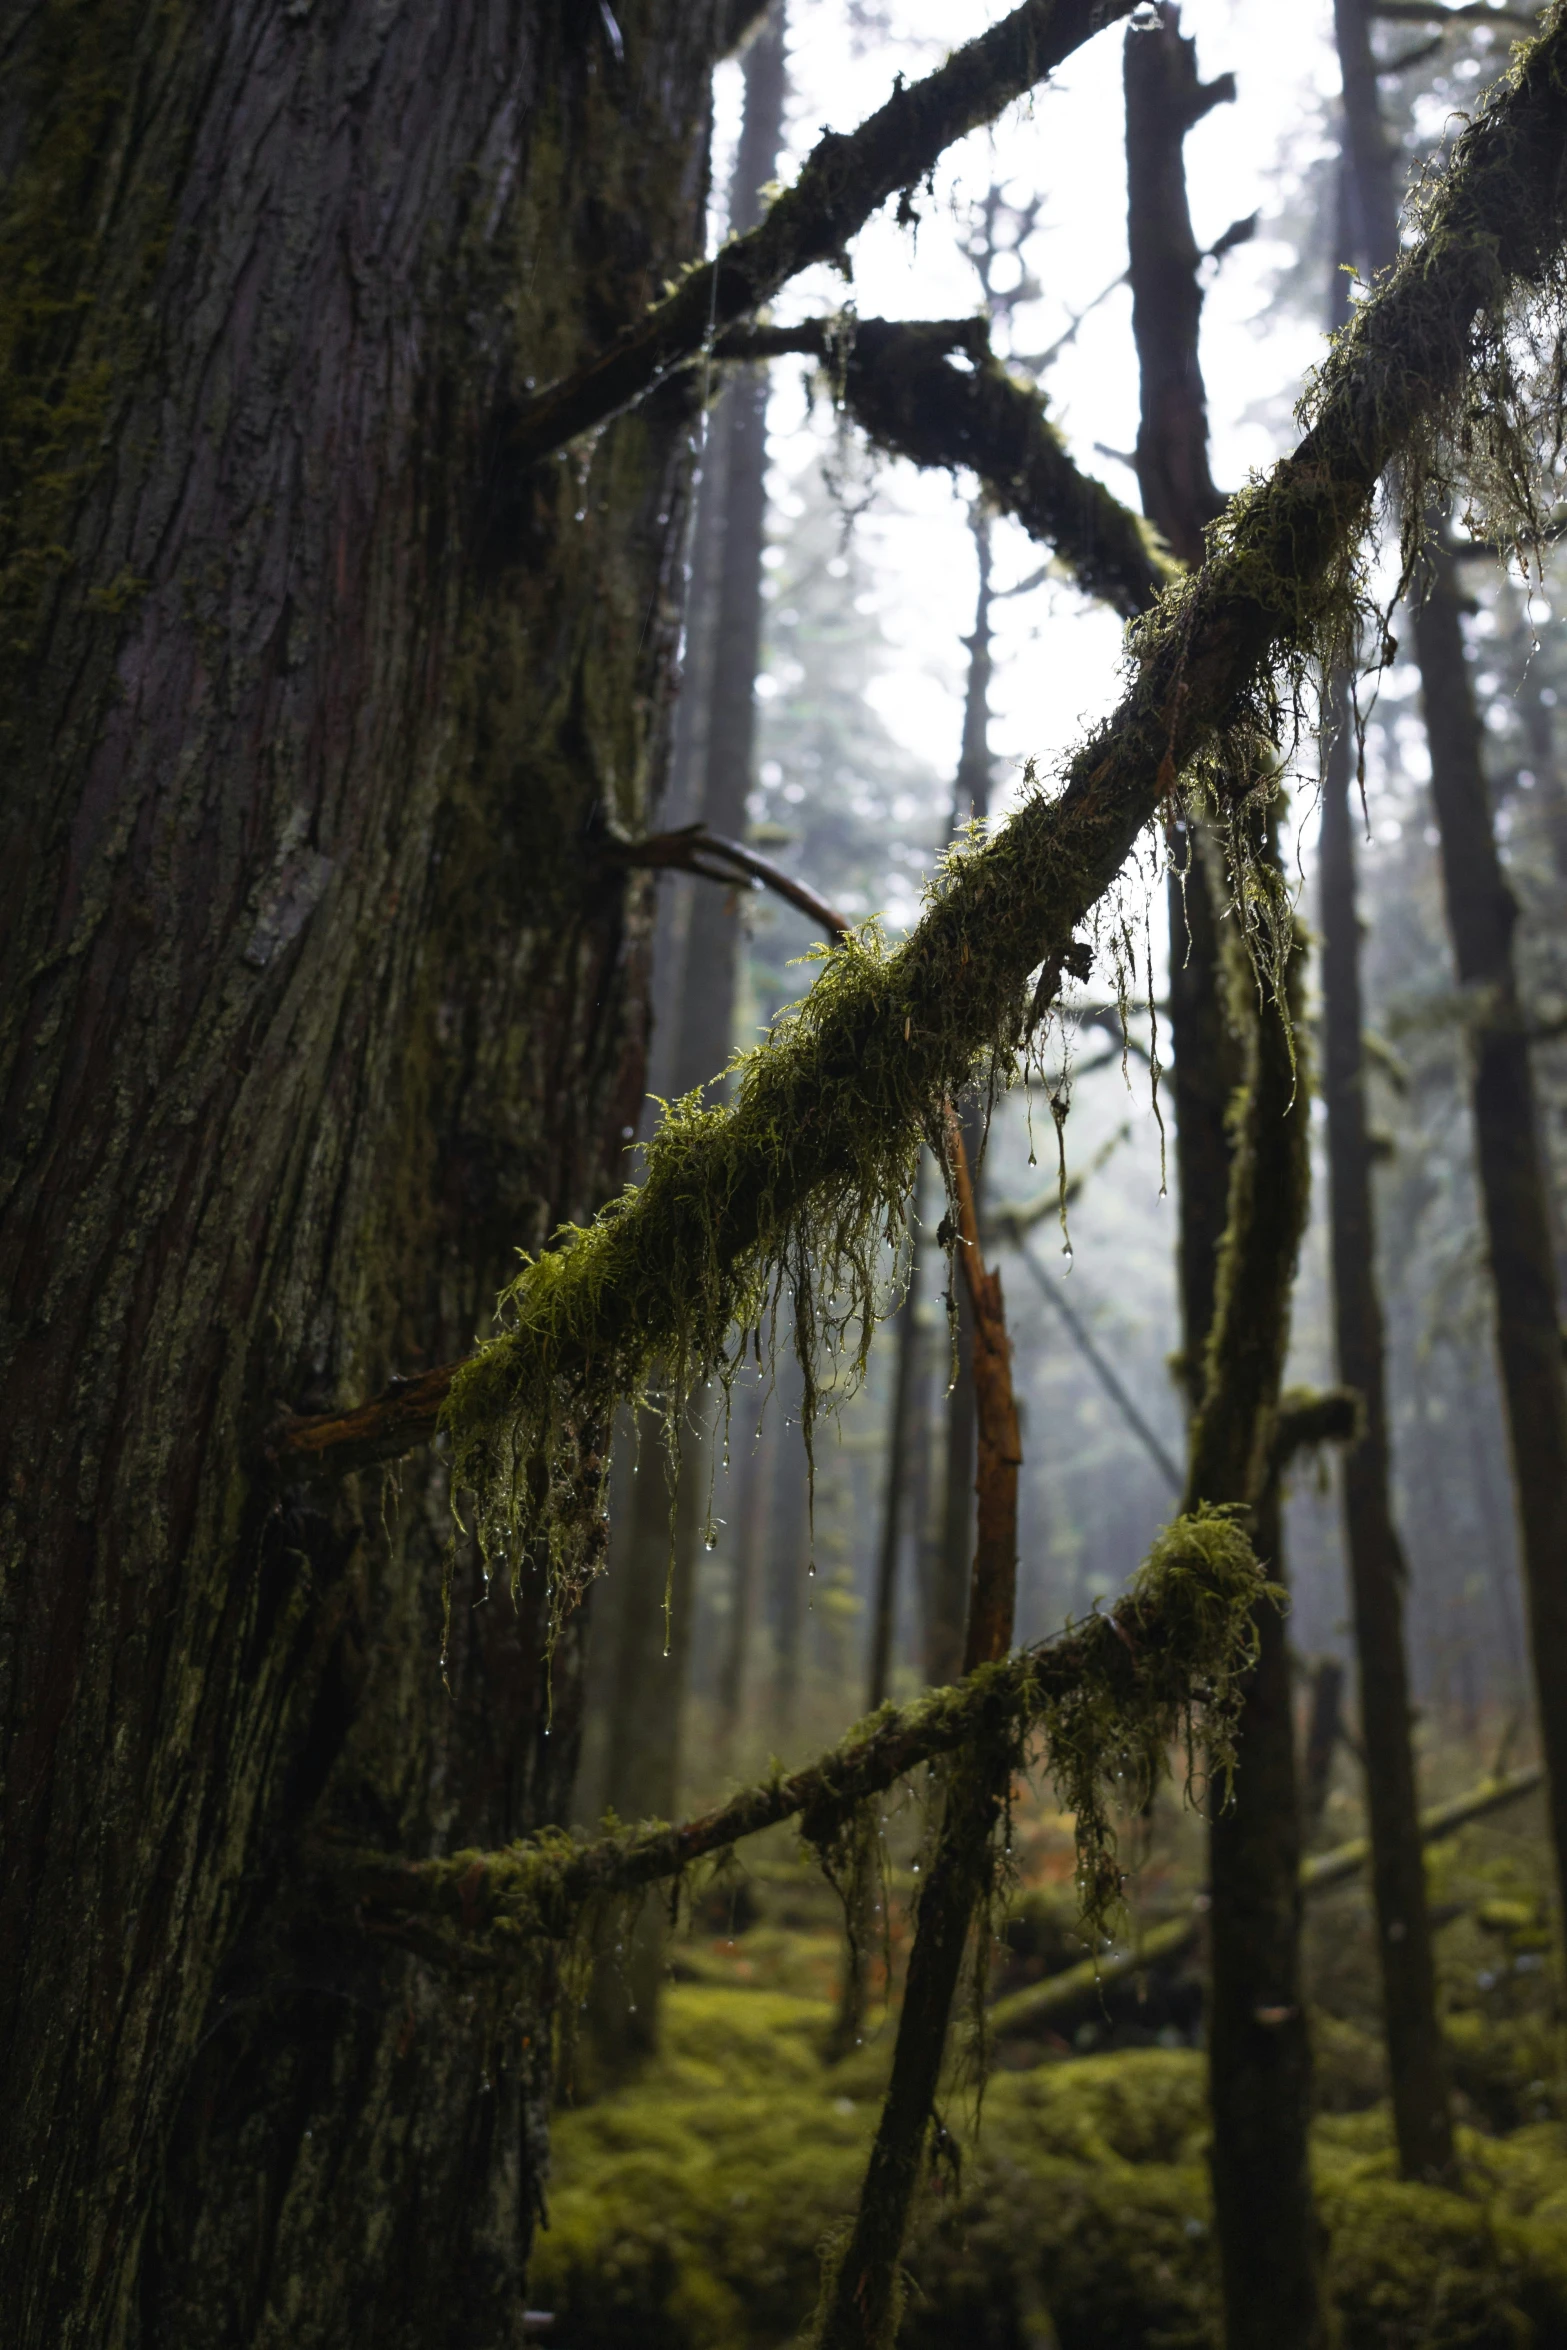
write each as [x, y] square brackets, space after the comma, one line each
[1107, 1697]
[802, 1181]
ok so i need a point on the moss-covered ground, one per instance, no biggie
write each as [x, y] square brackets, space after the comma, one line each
[688, 2207]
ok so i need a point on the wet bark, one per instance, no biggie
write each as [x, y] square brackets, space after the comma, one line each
[313, 1013]
[1377, 1572]
[1259, 2054]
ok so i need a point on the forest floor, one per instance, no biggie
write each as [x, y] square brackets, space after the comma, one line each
[1070, 2203]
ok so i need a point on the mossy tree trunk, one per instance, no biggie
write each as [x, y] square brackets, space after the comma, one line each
[1481, 913]
[1242, 1205]
[314, 1009]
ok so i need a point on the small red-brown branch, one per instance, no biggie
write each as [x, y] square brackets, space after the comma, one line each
[403, 1416]
[693, 849]
[993, 1584]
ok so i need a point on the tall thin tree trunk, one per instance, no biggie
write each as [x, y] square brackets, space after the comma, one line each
[313, 1011]
[1235, 1304]
[902, 1437]
[659, 1590]
[1376, 1560]
[1481, 913]
[1480, 916]
[970, 804]
[1259, 2053]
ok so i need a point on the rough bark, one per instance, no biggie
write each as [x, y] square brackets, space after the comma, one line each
[1377, 1571]
[311, 1014]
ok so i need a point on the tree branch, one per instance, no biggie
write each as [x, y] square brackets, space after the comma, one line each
[477, 1909]
[935, 392]
[1433, 12]
[843, 181]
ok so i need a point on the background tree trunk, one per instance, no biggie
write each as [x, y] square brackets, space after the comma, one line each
[1480, 916]
[315, 1010]
[1377, 1571]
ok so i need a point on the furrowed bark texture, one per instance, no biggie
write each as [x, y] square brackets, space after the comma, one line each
[1259, 2056]
[311, 1013]
[1378, 1575]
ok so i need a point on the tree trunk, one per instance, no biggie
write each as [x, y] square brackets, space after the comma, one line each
[1480, 917]
[659, 1590]
[970, 804]
[314, 1011]
[1377, 1572]
[1241, 1215]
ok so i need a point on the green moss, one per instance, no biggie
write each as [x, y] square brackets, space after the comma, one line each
[62, 344]
[688, 2210]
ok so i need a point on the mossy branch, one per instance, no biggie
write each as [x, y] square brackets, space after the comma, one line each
[800, 1182]
[844, 180]
[905, 387]
[1109, 1694]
